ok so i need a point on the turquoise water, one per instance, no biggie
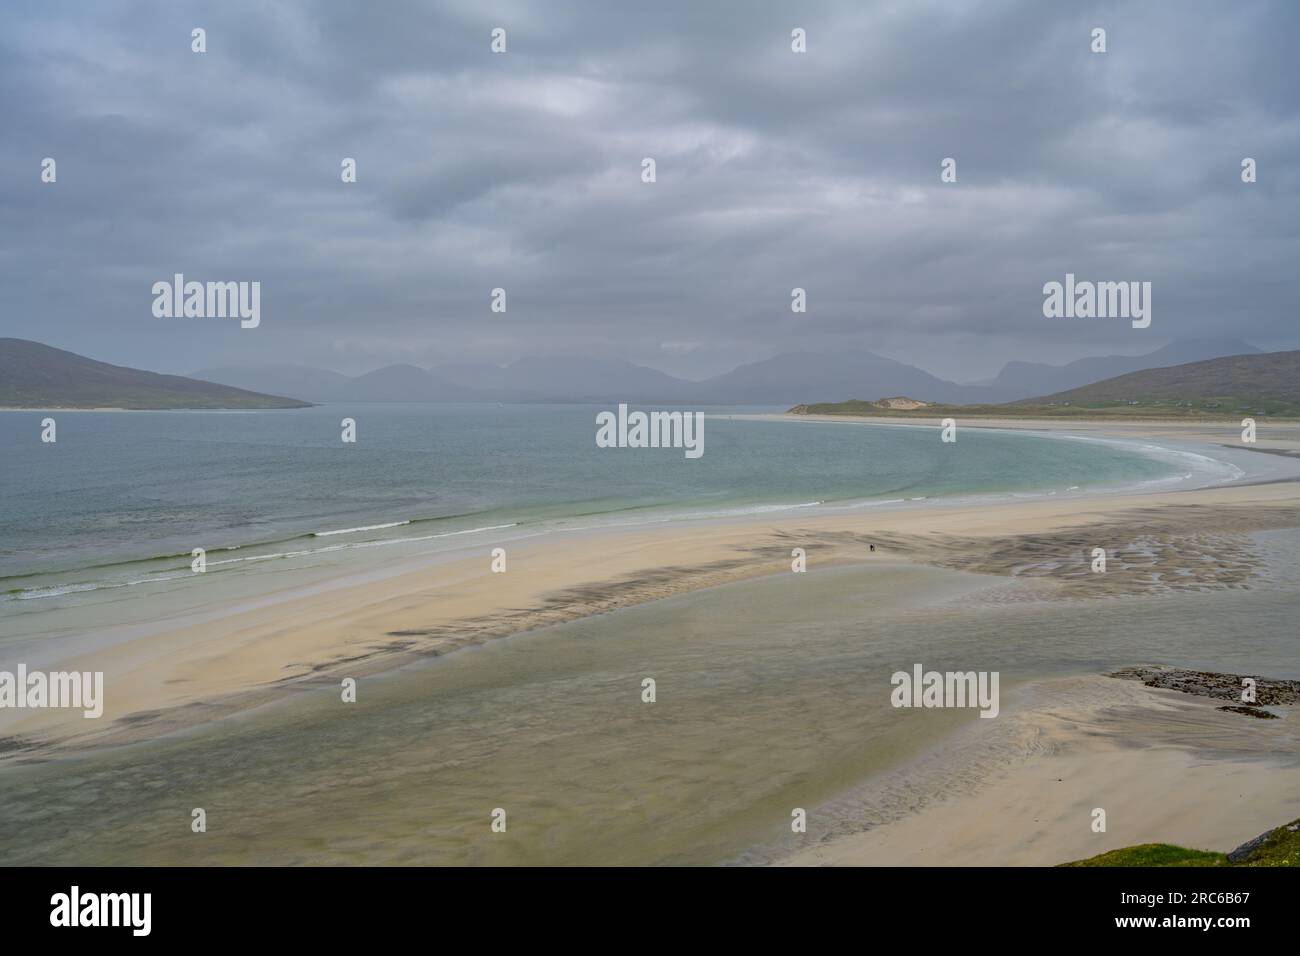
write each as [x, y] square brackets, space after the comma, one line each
[122, 497]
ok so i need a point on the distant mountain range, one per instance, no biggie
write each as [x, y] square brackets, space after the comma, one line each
[527, 380]
[1028, 379]
[782, 380]
[775, 381]
[1263, 383]
[33, 375]
[792, 377]
[36, 375]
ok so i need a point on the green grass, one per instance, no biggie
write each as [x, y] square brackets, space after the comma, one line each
[1154, 854]
[1282, 848]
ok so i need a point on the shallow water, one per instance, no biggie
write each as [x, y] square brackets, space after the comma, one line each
[771, 694]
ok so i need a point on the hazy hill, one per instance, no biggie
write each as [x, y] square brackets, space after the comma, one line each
[1268, 382]
[402, 383]
[782, 380]
[793, 377]
[570, 379]
[778, 380]
[33, 375]
[1026, 379]
[527, 380]
[312, 384]
[393, 383]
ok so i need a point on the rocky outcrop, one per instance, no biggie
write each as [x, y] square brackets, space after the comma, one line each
[1269, 692]
[1243, 853]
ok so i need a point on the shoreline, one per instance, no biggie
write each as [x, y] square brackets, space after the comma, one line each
[1207, 471]
[603, 567]
[171, 678]
[178, 678]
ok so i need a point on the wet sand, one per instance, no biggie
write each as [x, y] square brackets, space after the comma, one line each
[190, 673]
[1165, 768]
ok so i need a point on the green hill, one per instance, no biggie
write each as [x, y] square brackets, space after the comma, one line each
[1264, 384]
[33, 375]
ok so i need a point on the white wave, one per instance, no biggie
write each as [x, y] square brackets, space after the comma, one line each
[57, 591]
[367, 527]
[764, 509]
[686, 516]
[383, 542]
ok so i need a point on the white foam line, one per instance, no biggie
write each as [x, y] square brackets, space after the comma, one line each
[1212, 469]
[368, 527]
[689, 516]
[60, 590]
[873, 503]
[362, 544]
[1215, 470]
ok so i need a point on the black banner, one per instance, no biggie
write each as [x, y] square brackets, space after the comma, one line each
[334, 905]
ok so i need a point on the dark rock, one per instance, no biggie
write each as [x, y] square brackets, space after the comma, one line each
[1251, 711]
[1209, 684]
[1249, 847]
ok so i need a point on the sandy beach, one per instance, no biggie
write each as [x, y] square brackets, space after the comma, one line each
[1143, 746]
[1165, 768]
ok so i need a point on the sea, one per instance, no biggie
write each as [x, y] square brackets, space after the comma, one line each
[114, 509]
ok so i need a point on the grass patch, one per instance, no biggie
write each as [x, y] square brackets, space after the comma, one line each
[1154, 854]
[1280, 847]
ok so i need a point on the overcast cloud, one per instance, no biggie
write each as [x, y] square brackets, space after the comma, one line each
[522, 170]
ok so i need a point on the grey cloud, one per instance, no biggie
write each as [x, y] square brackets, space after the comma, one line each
[522, 171]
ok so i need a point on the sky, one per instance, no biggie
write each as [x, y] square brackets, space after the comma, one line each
[523, 171]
